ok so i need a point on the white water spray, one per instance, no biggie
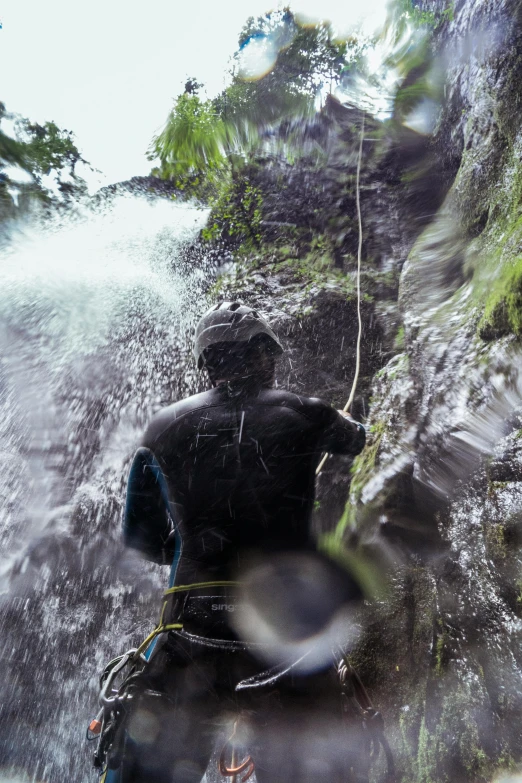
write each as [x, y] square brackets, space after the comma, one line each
[95, 316]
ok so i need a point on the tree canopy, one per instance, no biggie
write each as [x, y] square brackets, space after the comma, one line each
[193, 138]
[48, 148]
[280, 68]
[307, 57]
[40, 151]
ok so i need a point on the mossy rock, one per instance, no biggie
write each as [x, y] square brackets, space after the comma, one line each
[503, 310]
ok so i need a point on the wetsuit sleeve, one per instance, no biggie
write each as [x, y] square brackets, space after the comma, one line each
[147, 523]
[342, 435]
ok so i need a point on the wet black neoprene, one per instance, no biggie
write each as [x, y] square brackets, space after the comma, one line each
[232, 470]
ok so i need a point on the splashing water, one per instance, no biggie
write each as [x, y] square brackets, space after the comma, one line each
[95, 317]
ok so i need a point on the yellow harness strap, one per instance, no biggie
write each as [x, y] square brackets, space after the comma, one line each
[166, 627]
[181, 588]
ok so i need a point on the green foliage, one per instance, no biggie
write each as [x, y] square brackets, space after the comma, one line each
[309, 264]
[204, 141]
[365, 463]
[305, 60]
[491, 212]
[307, 56]
[12, 152]
[41, 151]
[48, 148]
[499, 279]
[410, 28]
[191, 146]
[419, 17]
[411, 13]
[192, 86]
[399, 341]
[236, 214]
[363, 468]
[448, 15]
[248, 108]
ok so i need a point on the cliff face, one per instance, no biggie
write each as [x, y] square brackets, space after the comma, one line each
[444, 469]
[437, 493]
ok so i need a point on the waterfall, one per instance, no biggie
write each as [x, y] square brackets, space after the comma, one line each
[95, 318]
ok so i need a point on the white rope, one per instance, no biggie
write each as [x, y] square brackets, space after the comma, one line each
[359, 319]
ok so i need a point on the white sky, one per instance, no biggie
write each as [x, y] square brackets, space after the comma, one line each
[109, 69]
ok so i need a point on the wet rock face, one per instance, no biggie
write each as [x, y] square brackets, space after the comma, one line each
[440, 480]
[139, 186]
[467, 390]
[480, 49]
[471, 694]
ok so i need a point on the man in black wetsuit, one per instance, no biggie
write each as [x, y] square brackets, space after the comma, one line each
[223, 489]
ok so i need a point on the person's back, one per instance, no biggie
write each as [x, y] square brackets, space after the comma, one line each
[239, 467]
[222, 487]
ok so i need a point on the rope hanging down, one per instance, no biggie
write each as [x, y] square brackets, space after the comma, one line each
[359, 320]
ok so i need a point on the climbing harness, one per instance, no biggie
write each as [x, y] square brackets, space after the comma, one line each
[113, 701]
[357, 703]
[359, 319]
[108, 727]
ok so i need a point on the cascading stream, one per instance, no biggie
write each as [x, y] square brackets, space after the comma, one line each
[95, 315]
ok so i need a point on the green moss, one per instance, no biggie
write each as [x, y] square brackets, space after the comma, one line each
[399, 341]
[503, 308]
[287, 251]
[236, 214]
[426, 755]
[400, 367]
[496, 541]
[494, 257]
[304, 276]
[496, 485]
[314, 270]
[452, 739]
[364, 465]
[506, 764]
[362, 469]
[408, 745]
[441, 737]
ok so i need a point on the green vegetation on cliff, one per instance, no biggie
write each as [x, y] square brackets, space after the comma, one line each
[503, 308]
[498, 267]
[211, 148]
[37, 161]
